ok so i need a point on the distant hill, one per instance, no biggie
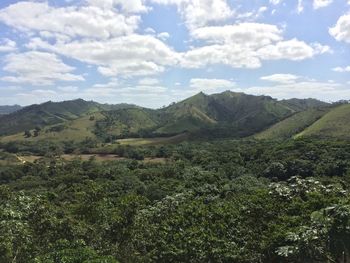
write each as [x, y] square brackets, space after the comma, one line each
[336, 124]
[303, 104]
[227, 114]
[7, 109]
[50, 113]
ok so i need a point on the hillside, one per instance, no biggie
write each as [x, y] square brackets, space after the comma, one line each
[303, 104]
[227, 114]
[293, 125]
[45, 114]
[336, 124]
[51, 113]
[7, 109]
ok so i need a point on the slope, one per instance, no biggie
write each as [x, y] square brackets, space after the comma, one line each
[335, 124]
[292, 125]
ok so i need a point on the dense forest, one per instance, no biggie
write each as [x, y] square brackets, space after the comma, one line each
[241, 201]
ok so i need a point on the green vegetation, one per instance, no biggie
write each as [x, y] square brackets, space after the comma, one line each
[335, 124]
[241, 201]
[293, 125]
[227, 114]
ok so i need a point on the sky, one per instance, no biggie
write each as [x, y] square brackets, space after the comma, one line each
[155, 52]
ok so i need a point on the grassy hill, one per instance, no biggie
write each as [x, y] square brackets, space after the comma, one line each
[230, 111]
[51, 113]
[303, 104]
[227, 114]
[292, 125]
[336, 124]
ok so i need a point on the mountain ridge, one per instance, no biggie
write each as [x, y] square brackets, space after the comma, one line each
[226, 114]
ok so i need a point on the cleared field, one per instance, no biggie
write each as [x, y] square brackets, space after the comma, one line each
[86, 157]
[153, 141]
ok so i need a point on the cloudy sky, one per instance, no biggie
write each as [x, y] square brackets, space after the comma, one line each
[154, 52]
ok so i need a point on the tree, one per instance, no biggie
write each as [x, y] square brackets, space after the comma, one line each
[27, 133]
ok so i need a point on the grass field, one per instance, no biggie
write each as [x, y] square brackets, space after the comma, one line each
[292, 125]
[334, 124]
[153, 141]
[86, 157]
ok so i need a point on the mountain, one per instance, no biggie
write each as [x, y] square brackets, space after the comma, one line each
[227, 114]
[7, 109]
[335, 124]
[293, 124]
[51, 113]
[303, 104]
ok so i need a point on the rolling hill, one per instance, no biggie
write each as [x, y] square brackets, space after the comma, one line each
[51, 113]
[293, 124]
[227, 114]
[335, 124]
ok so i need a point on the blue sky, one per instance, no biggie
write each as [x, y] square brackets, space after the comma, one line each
[154, 52]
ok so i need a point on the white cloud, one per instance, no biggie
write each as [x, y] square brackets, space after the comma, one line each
[300, 7]
[246, 45]
[7, 45]
[321, 3]
[37, 68]
[281, 78]
[249, 34]
[200, 13]
[275, 2]
[132, 55]
[292, 50]
[210, 85]
[129, 6]
[302, 89]
[163, 36]
[341, 31]
[148, 82]
[342, 69]
[72, 21]
[68, 89]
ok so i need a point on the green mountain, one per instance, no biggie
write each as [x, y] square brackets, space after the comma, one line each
[227, 114]
[335, 123]
[293, 124]
[303, 104]
[7, 109]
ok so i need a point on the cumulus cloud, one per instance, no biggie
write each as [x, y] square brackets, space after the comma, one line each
[300, 7]
[129, 6]
[148, 82]
[341, 31]
[303, 88]
[281, 78]
[7, 45]
[210, 85]
[245, 45]
[253, 34]
[132, 55]
[321, 3]
[342, 69]
[37, 68]
[200, 13]
[275, 2]
[72, 21]
[292, 50]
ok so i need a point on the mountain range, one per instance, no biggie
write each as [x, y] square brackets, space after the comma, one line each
[227, 114]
